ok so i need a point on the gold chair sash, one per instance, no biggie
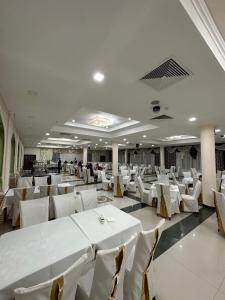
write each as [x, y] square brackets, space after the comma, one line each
[57, 289]
[118, 188]
[66, 189]
[118, 260]
[163, 208]
[219, 221]
[146, 290]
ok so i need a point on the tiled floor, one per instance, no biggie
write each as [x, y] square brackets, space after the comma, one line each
[193, 268]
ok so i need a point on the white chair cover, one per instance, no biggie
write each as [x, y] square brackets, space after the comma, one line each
[49, 191]
[187, 174]
[65, 189]
[220, 211]
[190, 202]
[118, 188]
[34, 212]
[106, 280]
[62, 287]
[181, 186]
[140, 275]
[89, 199]
[24, 182]
[56, 179]
[145, 194]
[124, 172]
[163, 179]
[194, 173]
[166, 205]
[105, 182]
[41, 180]
[20, 194]
[66, 205]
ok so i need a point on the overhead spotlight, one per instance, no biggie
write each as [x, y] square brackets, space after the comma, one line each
[129, 119]
[124, 140]
[96, 144]
[144, 136]
[47, 133]
[106, 143]
[76, 137]
[217, 130]
[127, 142]
[153, 145]
[140, 144]
[100, 140]
[192, 119]
[39, 143]
[73, 121]
[98, 76]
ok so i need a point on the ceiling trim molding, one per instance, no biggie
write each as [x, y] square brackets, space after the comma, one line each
[203, 20]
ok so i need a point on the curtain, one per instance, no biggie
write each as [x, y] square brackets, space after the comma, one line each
[170, 159]
[219, 160]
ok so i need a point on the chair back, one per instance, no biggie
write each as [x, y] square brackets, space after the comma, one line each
[219, 201]
[48, 190]
[24, 193]
[118, 188]
[197, 190]
[109, 271]
[194, 173]
[56, 179]
[175, 182]
[34, 212]
[85, 175]
[24, 182]
[41, 180]
[140, 277]
[65, 189]
[89, 199]
[124, 172]
[66, 205]
[187, 174]
[163, 179]
[141, 187]
[62, 287]
[102, 174]
[163, 200]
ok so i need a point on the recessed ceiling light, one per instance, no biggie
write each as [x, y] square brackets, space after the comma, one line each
[144, 136]
[192, 119]
[100, 140]
[73, 121]
[76, 137]
[217, 130]
[124, 140]
[96, 144]
[127, 142]
[153, 145]
[39, 143]
[129, 119]
[106, 143]
[47, 133]
[141, 144]
[98, 76]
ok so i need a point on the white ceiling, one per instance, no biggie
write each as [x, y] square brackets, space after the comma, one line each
[53, 47]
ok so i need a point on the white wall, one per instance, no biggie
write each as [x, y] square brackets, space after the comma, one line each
[9, 130]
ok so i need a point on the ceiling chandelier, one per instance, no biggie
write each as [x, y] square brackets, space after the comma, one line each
[99, 121]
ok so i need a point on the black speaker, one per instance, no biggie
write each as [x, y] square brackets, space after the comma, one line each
[137, 146]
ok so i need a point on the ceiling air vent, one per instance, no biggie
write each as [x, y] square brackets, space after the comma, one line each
[65, 134]
[166, 74]
[162, 117]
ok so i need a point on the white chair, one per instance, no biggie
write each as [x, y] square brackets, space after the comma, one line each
[105, 182]
[145, 194]
[56, 179]
[65, 189]
[157, 170]
[105, 281]
[118, 188]
[66, 205]
[62, 287]
[219, 201]
[163, 179]
[41, 180]
[187, 178]
[190, 202]
[132, 186]
[166, 205]
[24, 182]
[49, 191]
[124, 172]
[20, 194]
[34, 211]
[89, 199]
[194, 173]
[140, 275]
[181, 186]
[85, 175]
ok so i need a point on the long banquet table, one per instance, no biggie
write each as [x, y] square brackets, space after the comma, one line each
[37, 253]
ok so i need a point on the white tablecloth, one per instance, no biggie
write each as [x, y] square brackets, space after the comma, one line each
[37, 253]
[111, 233]
[174, 192]
[125, 179]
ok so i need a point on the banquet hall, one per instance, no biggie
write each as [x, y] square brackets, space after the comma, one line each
[112, 150]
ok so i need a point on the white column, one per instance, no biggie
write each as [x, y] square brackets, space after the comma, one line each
[125, 156]
[115, 159]
[208, 160]
[162, 156]
[85, 151]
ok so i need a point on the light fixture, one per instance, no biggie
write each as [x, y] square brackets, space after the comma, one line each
[217, 130]
[178, 137]
[127, 142]
[106, 143]
[129, 119]
[100, 140]
[99, 121]
[192, 119]
[140, 144]
[153, 145]
[39, 143]
[98, 76]
[96, 144]
[73, 121]
[124, 140]
[144, 136]
[47, 133]
[76, 137]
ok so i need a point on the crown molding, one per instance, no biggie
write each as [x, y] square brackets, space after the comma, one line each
[203, 20]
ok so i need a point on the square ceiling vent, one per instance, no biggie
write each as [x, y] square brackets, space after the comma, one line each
[166, 74]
